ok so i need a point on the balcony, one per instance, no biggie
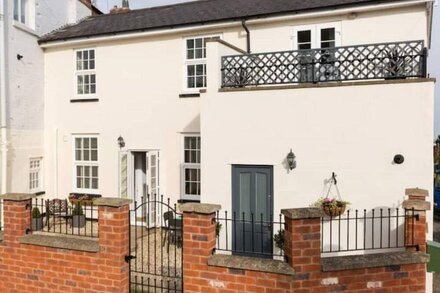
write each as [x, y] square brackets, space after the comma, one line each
[349, 63]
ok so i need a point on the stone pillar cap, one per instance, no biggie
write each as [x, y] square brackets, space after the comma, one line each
[114, 202]
[416, 191]
[199, 208]
[17, 196]
[302, 213]
[417, 205]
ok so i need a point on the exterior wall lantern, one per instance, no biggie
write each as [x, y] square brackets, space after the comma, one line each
[121, 142]
[291, 160]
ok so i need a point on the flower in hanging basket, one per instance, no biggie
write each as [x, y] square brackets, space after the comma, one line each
[331, 206]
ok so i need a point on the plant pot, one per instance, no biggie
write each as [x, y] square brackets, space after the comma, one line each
[37, 224]
[334, 211]
[78, 221]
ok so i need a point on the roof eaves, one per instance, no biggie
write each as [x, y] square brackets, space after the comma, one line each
[42, 40]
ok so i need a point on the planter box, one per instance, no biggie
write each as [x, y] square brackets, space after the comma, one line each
[78, 221]
[37, 224]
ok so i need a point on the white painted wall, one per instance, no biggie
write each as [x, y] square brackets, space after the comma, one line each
[139, 81]
[52, 14]
[25, 105]
[392, 25]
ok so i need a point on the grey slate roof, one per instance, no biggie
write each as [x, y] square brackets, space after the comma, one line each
[192, 13]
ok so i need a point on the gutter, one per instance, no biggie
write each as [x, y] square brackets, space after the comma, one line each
[3, 98]
[225, 24]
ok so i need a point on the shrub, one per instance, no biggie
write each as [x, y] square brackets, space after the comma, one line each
[36, 213]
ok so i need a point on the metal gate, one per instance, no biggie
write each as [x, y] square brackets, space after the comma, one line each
[155, 247]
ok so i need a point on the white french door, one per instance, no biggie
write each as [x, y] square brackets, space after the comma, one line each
[153, 187]
[326, 35]
[139, 181]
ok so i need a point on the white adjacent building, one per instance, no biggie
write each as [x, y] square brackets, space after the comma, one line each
[22, 85]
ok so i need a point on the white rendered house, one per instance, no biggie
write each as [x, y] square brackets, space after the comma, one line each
[22, 85]
[168, 101]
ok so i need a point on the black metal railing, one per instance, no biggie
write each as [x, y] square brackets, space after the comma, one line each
[356, 230]
[361, 62]
[255, 235]
[59, 216]
[156, 246]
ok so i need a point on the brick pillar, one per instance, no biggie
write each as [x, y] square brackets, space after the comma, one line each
[302, 244]
[16, 215]
[415, 225]
[114, 242]
[198, 243]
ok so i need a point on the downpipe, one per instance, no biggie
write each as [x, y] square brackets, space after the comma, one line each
[3, 97]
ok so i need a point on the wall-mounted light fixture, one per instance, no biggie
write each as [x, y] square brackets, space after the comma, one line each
[19, 57]
[121, 142]
[291, 160]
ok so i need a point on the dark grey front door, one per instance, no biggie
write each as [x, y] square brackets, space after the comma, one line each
[252, 208]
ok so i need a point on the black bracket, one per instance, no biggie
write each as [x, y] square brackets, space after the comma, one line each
[129, 257]
[28, 206]
[28, 231]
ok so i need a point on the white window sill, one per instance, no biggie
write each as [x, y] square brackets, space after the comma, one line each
[24, 28]
[87, 191]
[190, 197]
[84, 100]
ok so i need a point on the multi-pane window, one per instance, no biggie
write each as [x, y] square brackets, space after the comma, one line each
[35, 175]
[328, 37]
[317, 36]
[304, 39]
[86, 164]
[85, 72]
[195, 63]
[191, 167]
[21, 11]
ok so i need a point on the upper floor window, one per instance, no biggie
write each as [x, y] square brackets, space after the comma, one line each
[85, 72]
[191, 177]
[195, 64]
[86, 165]
[35, 175]
[23, 12]
[317, 36]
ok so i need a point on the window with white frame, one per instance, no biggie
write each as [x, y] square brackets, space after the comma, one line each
[86, 177]
[327, 35]
[195, 63]
[85, 72]
[35, 175]
[24, 12]
[191, 167]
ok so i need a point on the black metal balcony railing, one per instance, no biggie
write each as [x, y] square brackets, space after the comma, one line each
[374, 61]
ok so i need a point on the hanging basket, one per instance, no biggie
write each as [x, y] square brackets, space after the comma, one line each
[334, 210]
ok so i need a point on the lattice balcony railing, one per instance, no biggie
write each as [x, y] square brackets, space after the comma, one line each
[361, 62]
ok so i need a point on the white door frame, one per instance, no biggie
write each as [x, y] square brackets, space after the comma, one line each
[154, 219]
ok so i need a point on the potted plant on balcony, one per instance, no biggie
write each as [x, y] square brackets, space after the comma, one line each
[37, 219]
[332, 206]
[78, 217]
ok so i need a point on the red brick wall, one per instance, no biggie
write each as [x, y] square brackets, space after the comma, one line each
[302, 248]
[199, 242]
[30, 268]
